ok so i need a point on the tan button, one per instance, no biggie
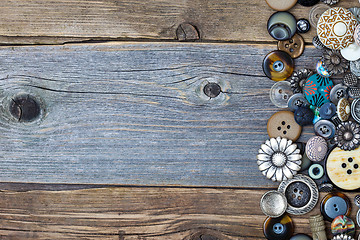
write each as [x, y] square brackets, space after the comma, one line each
[294, 46]
[343, 109]
[343, 168]
[282, 124]
[281, 5]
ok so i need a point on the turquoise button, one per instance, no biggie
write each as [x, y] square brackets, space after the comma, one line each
[317, 90]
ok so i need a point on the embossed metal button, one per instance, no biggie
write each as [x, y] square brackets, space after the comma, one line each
[316, 148]
[316, 12]
[281, 228]
[299, 78]
[282, 124]
[327, 110]
[356, 12]
[350, 80]
[316, 171]
[278, 65]
[354, 92]
[343, 109]
[280, 93]
[343, 224]
[301, 193]
[297, 100]
[317, 43]
[325, 128]
[338, 92]
[281, 5]
[273, 204]
[294, 46]
[281, 25]
[335, 204]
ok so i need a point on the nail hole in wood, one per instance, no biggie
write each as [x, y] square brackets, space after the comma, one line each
[212, 90]
[25, 108]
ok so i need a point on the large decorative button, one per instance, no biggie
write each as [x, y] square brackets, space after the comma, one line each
[279, 159]
[338, 92]
[316, 148]
[301, 193]
[351, 53]
[281, 228]
[300, 236]
[317, 90]
[304, 116]
[299, 78]
[343, 225]
[347, 135]
[325, 128]
[335, 204]
[327, 110]
[294, 46]
[343, 168]
[336, 28]
[273, 204]
[282, 124]
[282, 25]
[280, 93]
[334, 63]
[355, 110]
[343, 109]
[298, 100]
[308, 3]
[278, 65]
[281, 5]
[316, 12]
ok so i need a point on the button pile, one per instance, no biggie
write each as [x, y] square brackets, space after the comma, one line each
[330, 160]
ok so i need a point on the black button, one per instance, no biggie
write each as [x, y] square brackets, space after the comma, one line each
[302, 25]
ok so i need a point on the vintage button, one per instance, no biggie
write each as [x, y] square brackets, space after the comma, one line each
[273, 204]
[281, 26]
[335, 204]
[299, 78]
[333, 62]
[356, 12]
[304, 116]
[301, 193]
[316, 171]
[294, 46]
[357, 35]
[355, 110]
[326, 187]
[281, 5]
[321, 69]
[355, 67]
[330, 2]
[316, 148]
[279, 159]
[347, 135]
[308, 3]
[342, 168]
[281, 228]
[300, 236]
[350, 80]
[297, 100]
[336, 27]
[327, 110]
[325, 128]
[354, 92]
[343, 224]
[303, 25]
[282, 124]
[278, 65]
[338, 92]
[280, 93]
[343, 109]
[317, 43]
[317, 90]
[351, 53]
[316, 12]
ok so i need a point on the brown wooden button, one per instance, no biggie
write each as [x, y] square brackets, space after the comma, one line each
[294, 46]
[283, 124]
[281, 5]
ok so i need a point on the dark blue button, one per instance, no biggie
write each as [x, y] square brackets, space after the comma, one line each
[303, 116]
[327, 110]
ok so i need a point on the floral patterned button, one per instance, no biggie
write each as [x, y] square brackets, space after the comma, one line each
[317, 90]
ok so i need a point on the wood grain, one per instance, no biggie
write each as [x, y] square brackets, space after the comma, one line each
[137, 213]
[36, 21]
[134, 113]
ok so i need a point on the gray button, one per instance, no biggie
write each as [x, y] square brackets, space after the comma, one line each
[354, 92]
[355, 110]
[357, 200]
[350, 80]
[355, 67]
[325, 129]
[273, 204]
[335, 206]
[338, 92]
[358, 219]
[296, 101]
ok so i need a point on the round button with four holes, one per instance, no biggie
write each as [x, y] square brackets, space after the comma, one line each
[294, 46]
[282, 124]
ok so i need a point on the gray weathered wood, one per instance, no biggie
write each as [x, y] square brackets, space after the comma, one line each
[133, 113]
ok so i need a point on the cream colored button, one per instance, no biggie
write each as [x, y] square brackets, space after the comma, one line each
[351, 53]
[343, 168]
[281, 5]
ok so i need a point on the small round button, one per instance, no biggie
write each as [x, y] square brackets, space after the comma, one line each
[300, 236]
[278, 65]
[294, 46]
[273, 204]
[321, 69]
[343, 225]
[316, 12]
[304, 116]
[316, 171]
[325, 128]
[281, 25]
[351, 53]
[281, 5]
[280, 93]
[297, 100]
[317, 90]
[337, 92]
[303, 25]
[343, 109]
[316, 148]
[308, 3]
[350, 80]
[335, 204]
[282, 124]
[327, 110]
[281, 228]
[354, 92]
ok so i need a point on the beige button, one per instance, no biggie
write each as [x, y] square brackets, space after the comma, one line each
[281, 5]
[282, 124]
[343, 109]
[343, 168]
[294, 46]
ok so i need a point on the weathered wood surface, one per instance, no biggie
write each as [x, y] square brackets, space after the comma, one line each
[137, 213]
[134, 113]
[34, 21]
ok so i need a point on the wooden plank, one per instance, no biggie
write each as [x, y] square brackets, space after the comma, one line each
[137, 213]
[216, 20]
[134, 113]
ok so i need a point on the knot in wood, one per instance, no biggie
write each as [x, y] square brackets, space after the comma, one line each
[212, 90]
[187, 32]
[25, 108]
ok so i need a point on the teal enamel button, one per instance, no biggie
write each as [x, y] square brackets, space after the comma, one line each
[317, 90]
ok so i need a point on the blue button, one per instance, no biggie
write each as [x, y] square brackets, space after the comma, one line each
[327, 110]
[278, 66]
[300, 236]
[335, 206]
[278, 228]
